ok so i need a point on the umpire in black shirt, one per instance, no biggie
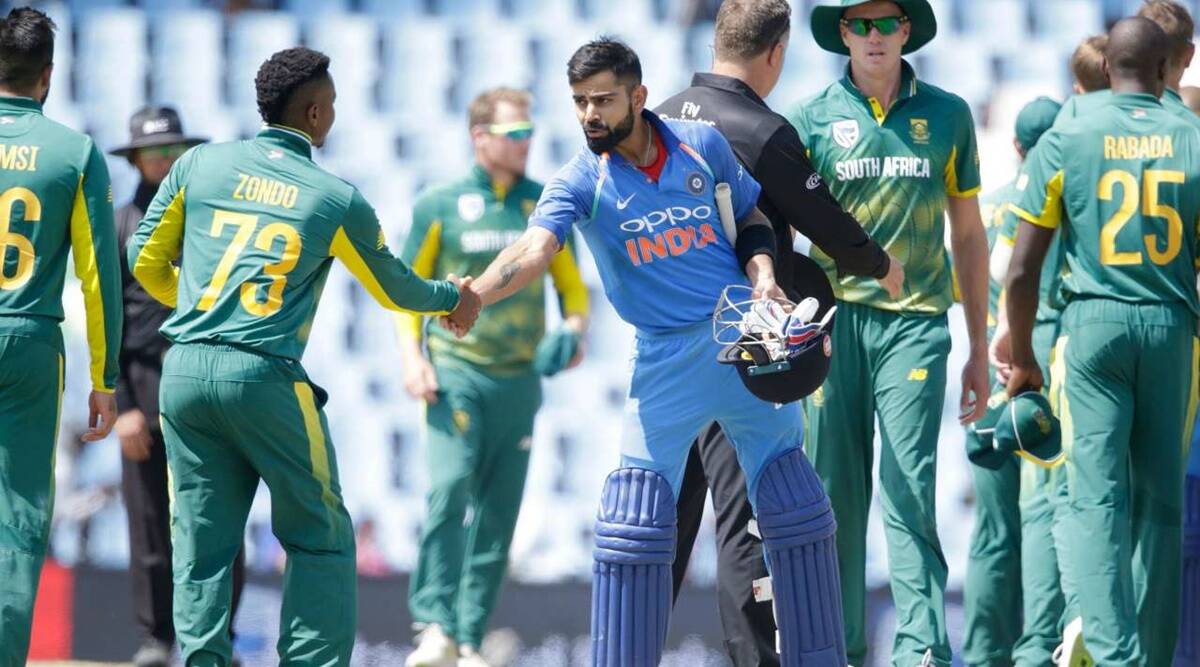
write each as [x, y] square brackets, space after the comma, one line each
[156, 141]
[750, 44]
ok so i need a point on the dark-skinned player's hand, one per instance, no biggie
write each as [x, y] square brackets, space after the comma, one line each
[1022, 378]
[463, 317]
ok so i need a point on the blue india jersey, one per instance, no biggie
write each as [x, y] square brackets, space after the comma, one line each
[659, 246]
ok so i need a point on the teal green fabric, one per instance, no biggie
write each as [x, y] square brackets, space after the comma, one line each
[992, 589]
[30, 397]
[1127, 394]
[478, 436]
[1034, 119]
[1027, 425]
[893, 170]
[230, 418]
[555, 351]
[904, 357]
[254, 226]
[55, 199]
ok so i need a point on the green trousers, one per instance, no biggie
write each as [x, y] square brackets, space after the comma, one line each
[231, 417]
[478, 436]
[30, 401]
[1128, 398]
[892, 365]
[1011, 598]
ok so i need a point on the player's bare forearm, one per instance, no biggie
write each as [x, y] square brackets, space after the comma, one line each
[968, 243]
[517, 265]
[1021, 289]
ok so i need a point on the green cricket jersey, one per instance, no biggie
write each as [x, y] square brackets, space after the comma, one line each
[55, 197]
[1050, 299]
[1080, 105]
[1124, 183]
[254, 226]
[459, 228]
[993, 208]
[893, 170]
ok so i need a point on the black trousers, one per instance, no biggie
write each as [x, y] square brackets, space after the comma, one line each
[144, 487]
[749, 625]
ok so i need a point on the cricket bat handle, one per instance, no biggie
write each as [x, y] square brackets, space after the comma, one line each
[723, 194]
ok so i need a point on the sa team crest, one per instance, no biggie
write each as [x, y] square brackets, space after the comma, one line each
[845, 133]
[918, 129]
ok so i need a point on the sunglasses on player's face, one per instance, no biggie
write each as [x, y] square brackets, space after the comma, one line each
[886, 25]
[518, 131]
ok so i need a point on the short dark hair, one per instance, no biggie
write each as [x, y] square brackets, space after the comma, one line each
[26, 47]
[1175, 20]
[282, 74]
[605, 54]
[747, 28]
[1087, 63]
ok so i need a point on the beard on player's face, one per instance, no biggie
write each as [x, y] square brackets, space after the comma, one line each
[602, 143]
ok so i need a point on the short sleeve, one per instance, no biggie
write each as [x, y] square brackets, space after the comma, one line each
[564, 202]
[1040, 183]
[962, 169]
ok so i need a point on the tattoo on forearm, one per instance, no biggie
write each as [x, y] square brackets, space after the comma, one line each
[508, 272]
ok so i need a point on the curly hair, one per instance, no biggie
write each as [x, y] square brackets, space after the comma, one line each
[282, 74]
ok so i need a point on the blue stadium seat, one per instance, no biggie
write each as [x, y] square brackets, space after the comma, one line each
[111, 61]
[158, 6]
[996, 22]
[394, 9]
[352, 43]
[308, 8]
[83, 6]
[544, 12]
[624, 14]
[418, 67]
[253, 37]
[1038, 62]
[1068, 21]
[462, 10]
[959, 67]
[494, 53]
[186, 54]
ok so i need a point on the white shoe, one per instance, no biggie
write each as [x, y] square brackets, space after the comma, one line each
[1072, 652]
[469, 657]
[434, 649]
[927, 659]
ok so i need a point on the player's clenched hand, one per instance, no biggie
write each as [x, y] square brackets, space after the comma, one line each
[976, 387]
[102, 413]
[134, 433]
[462, 318]
[1024, 377]
[420, 380]
[767, 288]
[893, 282]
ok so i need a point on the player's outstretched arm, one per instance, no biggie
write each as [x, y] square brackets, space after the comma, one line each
[359, 244]
[517, 265]
[968, 242]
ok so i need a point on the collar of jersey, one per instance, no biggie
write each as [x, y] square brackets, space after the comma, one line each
[669, 140]
[1173, 94]
[908, 88]
[12, 103]
[287, 137]
[484, 180]
[730, 84]
[1136, 99]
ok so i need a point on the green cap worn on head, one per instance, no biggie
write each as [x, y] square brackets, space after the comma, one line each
[981, 449]
[827, 32]
[1028, 428]
[1034, 119]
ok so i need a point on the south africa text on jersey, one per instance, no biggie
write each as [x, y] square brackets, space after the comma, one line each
[883, 167]
[668, 232]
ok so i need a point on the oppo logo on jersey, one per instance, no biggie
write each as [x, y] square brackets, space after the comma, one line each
[677, 239]
[888, 167]
[673, 214]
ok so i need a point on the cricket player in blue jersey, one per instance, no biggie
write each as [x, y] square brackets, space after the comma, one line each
[643, 197]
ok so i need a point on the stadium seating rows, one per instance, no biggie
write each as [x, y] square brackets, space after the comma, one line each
[405, 70]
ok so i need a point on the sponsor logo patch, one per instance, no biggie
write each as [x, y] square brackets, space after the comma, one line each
[470, 206]
[845, 133]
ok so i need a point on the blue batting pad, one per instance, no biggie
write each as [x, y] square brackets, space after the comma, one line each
[631, 578]
[797, 526]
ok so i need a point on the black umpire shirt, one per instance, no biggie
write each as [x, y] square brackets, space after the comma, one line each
[142, 347]
[793, 194]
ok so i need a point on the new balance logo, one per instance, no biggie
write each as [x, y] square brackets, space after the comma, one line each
[623, 202]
